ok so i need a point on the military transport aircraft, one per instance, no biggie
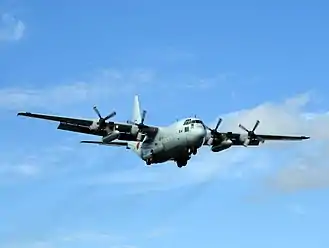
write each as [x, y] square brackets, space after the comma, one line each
[155, 144]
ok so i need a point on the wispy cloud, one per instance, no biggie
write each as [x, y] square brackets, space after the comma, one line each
[105, 83]
[99, 85]
[11, 28]
[304, 174]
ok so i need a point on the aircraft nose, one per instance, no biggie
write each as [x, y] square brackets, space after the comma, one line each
[200, 133]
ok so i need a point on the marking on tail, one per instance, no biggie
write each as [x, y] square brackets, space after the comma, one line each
[136, 116]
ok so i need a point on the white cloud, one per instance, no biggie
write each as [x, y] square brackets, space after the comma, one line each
[302, 175]
[106, 83]
[288, 118]
[11, 28]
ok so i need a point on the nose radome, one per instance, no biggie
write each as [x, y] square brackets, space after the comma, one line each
[200, 132]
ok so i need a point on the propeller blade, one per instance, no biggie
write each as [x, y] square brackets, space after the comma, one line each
[143, 116]
[251, 134]
[256, 125]
[97, 112]
[110, 115]
[207, 127]
[242, 127]
[218, 123]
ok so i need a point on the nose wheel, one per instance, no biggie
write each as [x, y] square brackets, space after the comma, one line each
[192, 150]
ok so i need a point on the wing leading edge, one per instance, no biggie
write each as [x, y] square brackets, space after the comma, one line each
[282, 137]
[81, 122]
[113, 143]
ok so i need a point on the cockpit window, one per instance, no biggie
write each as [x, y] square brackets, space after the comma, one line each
[188, 121]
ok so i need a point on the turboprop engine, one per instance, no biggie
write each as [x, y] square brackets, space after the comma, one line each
[111, 136]
[222, 146]
[135, 131]
[101, 122]
[137, 128]
[218, 141]
[250, 135]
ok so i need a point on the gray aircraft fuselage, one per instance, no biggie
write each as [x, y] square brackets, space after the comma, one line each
[174, 142]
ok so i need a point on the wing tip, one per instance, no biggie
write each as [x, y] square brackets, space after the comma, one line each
[23, 113]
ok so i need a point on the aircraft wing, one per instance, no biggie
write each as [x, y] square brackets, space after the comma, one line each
[281, 137]
[250, 137]
[83, 126]
[113, 143]
[255, 140]
[75, 121]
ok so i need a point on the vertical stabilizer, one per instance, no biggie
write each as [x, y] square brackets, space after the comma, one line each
[136, 117]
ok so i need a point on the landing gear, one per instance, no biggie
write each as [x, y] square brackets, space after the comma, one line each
[149, 161]
[192, 150]
[181, 163]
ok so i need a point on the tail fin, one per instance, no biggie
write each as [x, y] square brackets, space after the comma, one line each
[136, 117]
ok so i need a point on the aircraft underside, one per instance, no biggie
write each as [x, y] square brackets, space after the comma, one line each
[181, 155]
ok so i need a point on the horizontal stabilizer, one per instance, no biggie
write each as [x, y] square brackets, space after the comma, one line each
[114, 143]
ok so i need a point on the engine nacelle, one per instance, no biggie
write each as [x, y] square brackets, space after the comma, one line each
[134, 129]
[139, 136]
[94, 125]
[112, 136]
[244, 139]
[136, 132]
[222, 146]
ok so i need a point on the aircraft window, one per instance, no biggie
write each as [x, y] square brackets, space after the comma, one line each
[186, 129]
[188, 121]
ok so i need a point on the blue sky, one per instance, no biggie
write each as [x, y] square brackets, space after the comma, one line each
[240, 60]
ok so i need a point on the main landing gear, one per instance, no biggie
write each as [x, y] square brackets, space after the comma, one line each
[181, 163]
[149, 161]
[183, 160]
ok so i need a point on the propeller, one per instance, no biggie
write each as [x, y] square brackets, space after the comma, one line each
[102, 121]
[141, 124]
[143, 117]
[214, 131]
[251, 133]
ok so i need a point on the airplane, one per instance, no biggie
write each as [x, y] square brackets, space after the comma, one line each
[158, 144]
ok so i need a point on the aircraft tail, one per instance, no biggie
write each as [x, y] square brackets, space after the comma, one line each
[136, 116]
